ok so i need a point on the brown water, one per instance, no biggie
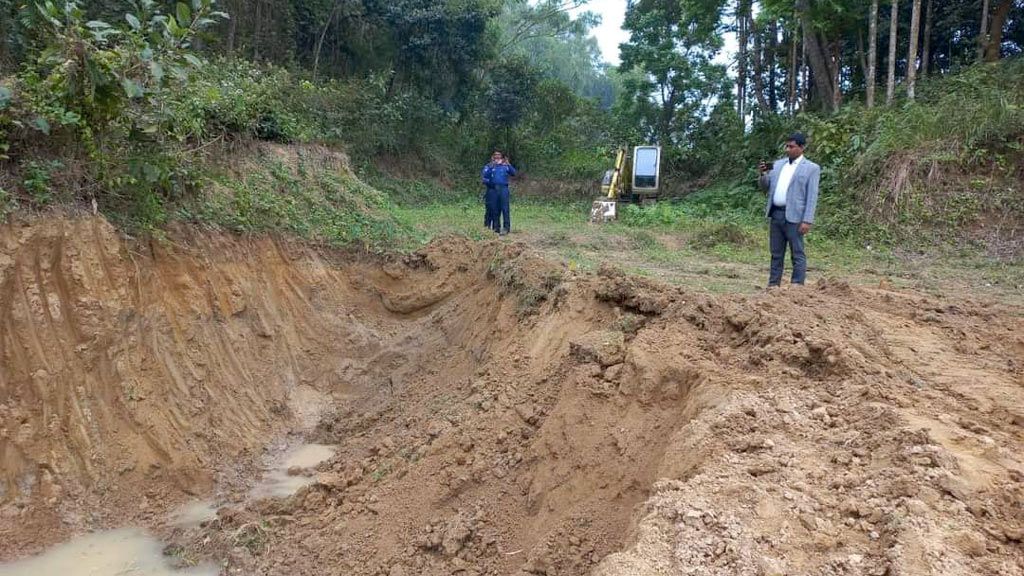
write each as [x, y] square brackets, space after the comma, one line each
[278, 484]
[122, 552]
[194, 513]
[134, 552]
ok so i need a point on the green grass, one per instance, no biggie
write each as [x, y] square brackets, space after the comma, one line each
[465, 217]
[301, 198]
[713, 241]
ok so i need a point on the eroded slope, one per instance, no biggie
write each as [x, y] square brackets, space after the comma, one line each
[497, 414]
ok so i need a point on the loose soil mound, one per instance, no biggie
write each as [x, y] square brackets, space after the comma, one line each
[497, 415]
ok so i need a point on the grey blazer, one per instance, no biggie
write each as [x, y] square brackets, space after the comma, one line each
[802, 196]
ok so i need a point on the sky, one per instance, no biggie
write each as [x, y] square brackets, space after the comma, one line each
[610, 33]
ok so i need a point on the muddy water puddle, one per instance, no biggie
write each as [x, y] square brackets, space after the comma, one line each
[287, 473]
[279, 483]
[193, 513]
[122, 552]
[135, 552]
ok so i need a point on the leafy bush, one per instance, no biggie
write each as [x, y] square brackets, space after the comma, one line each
[103, 90]
[906, 169]
[7, 202]
[37, 180]
[903, 171]
[102, 78]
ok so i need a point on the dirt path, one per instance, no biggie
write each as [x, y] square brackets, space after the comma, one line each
[496, 413]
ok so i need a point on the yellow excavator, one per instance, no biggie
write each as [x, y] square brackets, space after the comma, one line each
[633, 179]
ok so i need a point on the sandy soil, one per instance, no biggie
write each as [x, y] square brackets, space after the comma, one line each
[495, 413]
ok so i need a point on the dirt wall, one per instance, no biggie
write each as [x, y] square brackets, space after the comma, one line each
[128, 366]
[495, 413]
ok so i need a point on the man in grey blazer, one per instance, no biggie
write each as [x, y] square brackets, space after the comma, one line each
[792, 185]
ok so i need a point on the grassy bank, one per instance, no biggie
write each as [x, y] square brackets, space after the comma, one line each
[714, 241]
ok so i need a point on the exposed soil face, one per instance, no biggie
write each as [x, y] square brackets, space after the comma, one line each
[496, 414]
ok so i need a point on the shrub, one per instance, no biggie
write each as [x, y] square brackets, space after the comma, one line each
[104, 89]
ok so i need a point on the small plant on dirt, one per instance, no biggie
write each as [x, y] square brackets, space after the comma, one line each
[7, 202]
[556, 238]
[254, 537]
[108, 86]
[529, 288]
[630, 323]
[180, 557]
[37, 180]
[381, 471]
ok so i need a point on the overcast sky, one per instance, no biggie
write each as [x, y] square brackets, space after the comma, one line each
[610, 33]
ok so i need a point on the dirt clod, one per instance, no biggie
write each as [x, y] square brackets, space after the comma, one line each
[606, 348]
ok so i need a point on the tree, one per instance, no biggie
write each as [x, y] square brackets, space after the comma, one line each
[773, 51]
[558, 46]
[546, 19]
[890, 87]
[320, 41]
[995, 35]
[742, 14]
[926, 52]
[758, 78]
[983, 31]
[792, 72]
[873, 52]
[671, 46]
[509, 95]
[915, 21]
[820, 58]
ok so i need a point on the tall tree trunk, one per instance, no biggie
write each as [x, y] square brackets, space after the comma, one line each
[894, 17]
[983, 31]
[256, 34]
[791, 84]
[773, 51]
[872, 52]
[805, 75]
[915, 31]
[995, 31]
[819, 58]
[926, 52]
[668, 110]
[818, 55]
[741, 74]
[323, 34]
[762, 103]
[861, 56]
[837, 68]
[233, 17]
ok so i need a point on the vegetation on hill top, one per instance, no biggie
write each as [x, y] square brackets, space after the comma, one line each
[127, 105]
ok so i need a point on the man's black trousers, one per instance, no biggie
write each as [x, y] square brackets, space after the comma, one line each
[782, 234]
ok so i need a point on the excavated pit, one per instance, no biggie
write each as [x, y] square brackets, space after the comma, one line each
[478, 410]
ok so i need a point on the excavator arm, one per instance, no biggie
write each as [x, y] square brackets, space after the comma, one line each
[612, 187]
[615, 182]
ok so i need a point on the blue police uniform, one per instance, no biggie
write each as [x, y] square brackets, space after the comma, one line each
[489, 196]
[498, 176]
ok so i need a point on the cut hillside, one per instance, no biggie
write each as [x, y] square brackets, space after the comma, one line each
[493, 413]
